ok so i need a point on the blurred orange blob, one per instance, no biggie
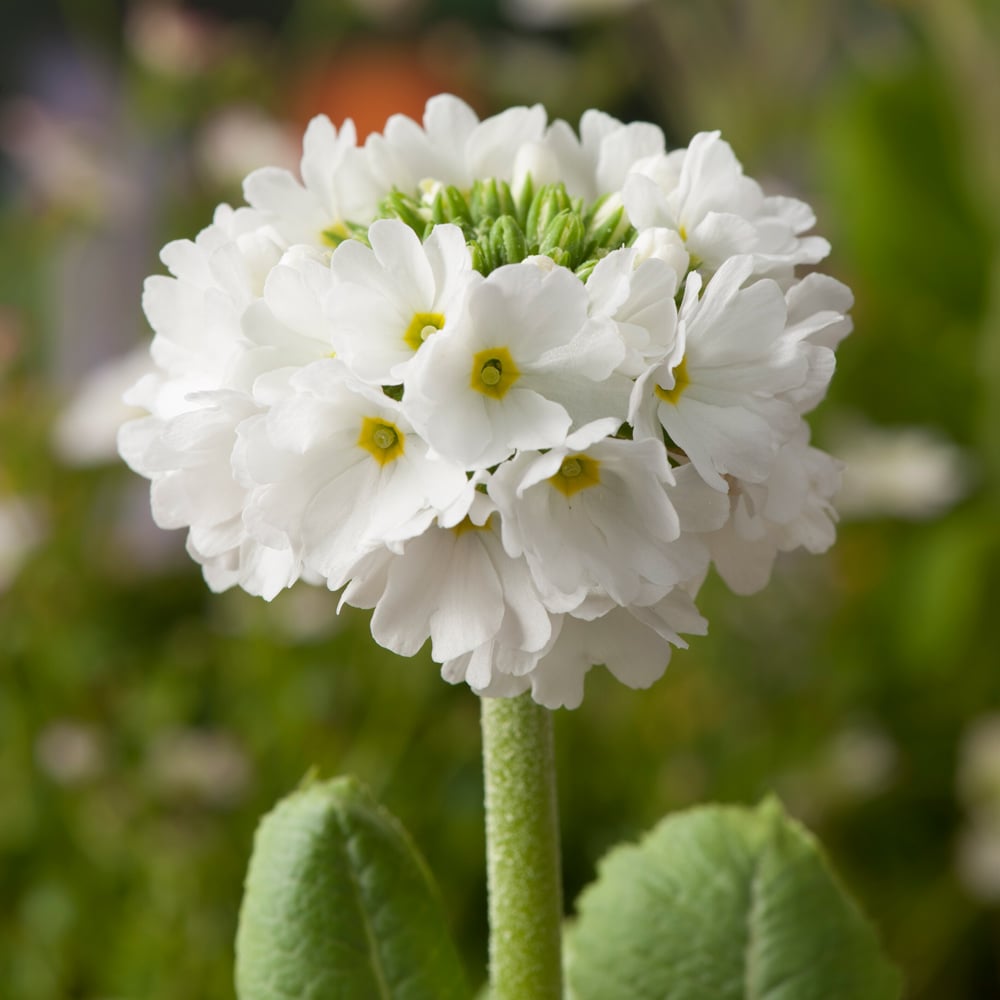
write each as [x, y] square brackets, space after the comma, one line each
[370, 82]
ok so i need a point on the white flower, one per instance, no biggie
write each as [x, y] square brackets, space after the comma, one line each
[77, 164]
[518, 369]
[663, 244]
[447, 373]
[87, 429]
[336, 187]
[494, 670]
[978, 774]
[188, 459]
[817, 319]
[71, 753]
[792, 510]
[186, 444]
[719, 394]
[817, 309]
[592, 515]
[638, 296]
[913, 473]
[240, 137]
[599, 161]
[453, 146]
[702, 193]
[978, 788]
[634, 644]
[337, 471]
[548, 13]
[287, 327]
[391, 297]
[21, 530]
[456, 586]
[197, 313]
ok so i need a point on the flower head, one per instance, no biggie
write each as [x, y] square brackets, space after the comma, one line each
[513, 389]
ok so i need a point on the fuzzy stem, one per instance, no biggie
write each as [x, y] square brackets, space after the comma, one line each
[522, 850]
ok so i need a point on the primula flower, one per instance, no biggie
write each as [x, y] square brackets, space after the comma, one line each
[633, 643]
[391, 296]
[702, 193]
[455, 585]
[453, 147]
[792, 510]
[720, 393]
[446, 373]
[518, 371]
[197, 313]
[638, 296]
[339, 472]
[592, 517]
[337, 186]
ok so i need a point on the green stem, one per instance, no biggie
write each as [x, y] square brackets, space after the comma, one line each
[522, 850]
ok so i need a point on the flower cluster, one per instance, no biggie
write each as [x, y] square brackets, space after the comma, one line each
[511, 387]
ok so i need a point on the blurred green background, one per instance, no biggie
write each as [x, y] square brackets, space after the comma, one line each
[146, 724]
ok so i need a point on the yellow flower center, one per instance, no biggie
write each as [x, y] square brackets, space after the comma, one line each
[577, 472]
[681, 382]
[421, 327]
[493, 372]
[335, 234]
[467, 524]
[382, 440]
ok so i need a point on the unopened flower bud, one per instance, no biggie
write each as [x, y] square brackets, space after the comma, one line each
[507, 241]
[563, 235]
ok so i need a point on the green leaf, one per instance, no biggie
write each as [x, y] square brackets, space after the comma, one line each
[723, 903]
[338, 904]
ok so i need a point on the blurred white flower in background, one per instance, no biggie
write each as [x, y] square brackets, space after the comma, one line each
[92, 177]
[862, 760]
[207, 765]
[71, 752]
[978, 776]
[84, 435]
[239, 138]
[67, 161]
[859, 762]
[978, 862]
[86, 430]
[978, 786]
[906, 472]
[553, 13]
[172, 39]
[21, 530]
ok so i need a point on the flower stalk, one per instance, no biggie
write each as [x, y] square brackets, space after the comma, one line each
[522, 850]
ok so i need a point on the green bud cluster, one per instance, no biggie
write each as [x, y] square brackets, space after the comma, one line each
[502, 227]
